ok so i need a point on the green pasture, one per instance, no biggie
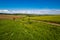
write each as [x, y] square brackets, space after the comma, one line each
[26, 29]
[54, 18]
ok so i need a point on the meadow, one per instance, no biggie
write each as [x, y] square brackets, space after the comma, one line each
[26, 29]
[53, 18]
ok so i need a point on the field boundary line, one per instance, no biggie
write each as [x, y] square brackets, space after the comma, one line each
[48, 23]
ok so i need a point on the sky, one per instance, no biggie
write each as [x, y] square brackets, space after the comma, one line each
[30, 6]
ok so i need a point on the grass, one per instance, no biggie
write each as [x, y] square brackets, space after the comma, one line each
[26, 29]
[54, 19]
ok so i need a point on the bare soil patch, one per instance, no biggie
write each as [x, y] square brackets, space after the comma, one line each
[9, 16]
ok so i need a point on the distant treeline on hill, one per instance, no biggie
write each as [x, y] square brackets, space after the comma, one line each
[28, 14]
[5, 14]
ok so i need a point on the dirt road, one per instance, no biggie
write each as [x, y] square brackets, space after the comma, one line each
[48, 23]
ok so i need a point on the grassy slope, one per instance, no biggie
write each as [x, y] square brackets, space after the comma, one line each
[55, 19]
[28, 30]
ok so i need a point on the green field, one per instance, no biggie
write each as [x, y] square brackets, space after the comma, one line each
[26, 29]
[53, 19]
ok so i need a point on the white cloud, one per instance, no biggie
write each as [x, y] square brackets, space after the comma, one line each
[4, 11]
[34, 11]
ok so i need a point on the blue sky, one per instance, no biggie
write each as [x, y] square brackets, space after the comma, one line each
[29, 4]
